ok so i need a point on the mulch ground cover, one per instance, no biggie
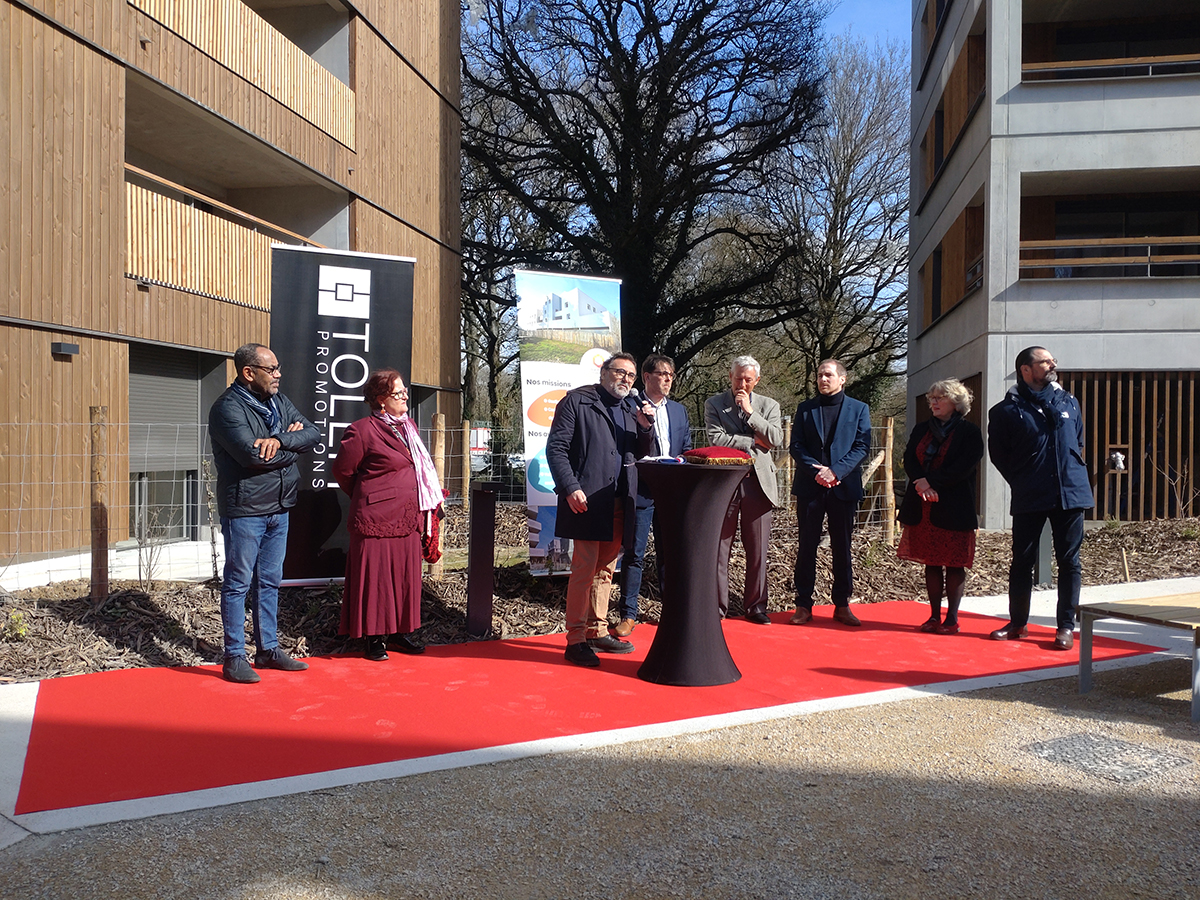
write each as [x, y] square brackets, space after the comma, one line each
[55, 630]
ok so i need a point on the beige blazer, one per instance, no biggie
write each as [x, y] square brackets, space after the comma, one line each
[728, 428]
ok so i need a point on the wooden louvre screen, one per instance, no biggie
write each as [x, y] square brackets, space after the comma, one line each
[1149, 420]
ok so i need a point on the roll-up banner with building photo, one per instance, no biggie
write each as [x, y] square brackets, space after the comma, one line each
[335, 318]
[569, 325]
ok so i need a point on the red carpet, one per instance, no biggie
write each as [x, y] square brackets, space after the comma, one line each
[149, 732]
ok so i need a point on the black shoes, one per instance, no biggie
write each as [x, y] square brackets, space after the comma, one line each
[1010, 633]
[582, 655]
[376, 648]
[758, 618]
[405, 644]
[1064, 639]
[237, 669]
[610, 644]
[277, 658]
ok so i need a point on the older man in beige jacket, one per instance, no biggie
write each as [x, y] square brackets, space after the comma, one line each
[742, 419]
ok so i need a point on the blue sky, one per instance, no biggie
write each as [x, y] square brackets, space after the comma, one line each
[871, 18]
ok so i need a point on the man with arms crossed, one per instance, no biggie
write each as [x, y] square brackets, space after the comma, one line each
[256, 436]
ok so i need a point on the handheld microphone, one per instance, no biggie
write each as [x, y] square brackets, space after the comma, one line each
[638, 402]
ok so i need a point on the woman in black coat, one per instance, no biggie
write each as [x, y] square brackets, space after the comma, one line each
[938, 511]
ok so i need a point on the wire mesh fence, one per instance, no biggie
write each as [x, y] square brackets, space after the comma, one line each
[153, 486]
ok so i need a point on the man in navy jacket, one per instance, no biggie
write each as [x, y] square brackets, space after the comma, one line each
[672, 436]
[1035, 439]
[831, 436]
[257, 435]
[595, 437]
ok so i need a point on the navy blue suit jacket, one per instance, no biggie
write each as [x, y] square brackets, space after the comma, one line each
[851, 444]
[681, 442]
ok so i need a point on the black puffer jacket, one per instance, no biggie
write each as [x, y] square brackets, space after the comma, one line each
[246, 485]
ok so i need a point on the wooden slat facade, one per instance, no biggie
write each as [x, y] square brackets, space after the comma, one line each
[44, 439]
[177, 245]
[72, 227]
[1150, 418]
[61, 197]
[963, 93]
[243, 42]
[953, 270]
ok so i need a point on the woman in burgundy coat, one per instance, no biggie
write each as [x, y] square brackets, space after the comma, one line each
[389, 476]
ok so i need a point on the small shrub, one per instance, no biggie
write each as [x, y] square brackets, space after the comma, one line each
[15, 627]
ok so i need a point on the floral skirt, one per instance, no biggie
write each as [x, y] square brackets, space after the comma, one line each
[933, 546]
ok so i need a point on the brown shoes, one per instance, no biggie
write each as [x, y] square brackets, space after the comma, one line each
[1064, 639]
[624, 628]
[1010, 633]
[802, 616]
[842, 614]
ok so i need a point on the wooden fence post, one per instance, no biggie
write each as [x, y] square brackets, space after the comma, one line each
[466, 467]
[789, 464]
[439, 465]
[889, 491]
[99, 498]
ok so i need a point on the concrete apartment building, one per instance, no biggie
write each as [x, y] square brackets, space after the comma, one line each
[1056, 201]
[153, 152]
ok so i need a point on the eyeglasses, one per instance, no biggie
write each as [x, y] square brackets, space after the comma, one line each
[399, 395]
[274, 370]
[623, 374]
[1050, 360]
[669, 375]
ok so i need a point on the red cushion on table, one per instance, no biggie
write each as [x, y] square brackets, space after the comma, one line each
[711, 455]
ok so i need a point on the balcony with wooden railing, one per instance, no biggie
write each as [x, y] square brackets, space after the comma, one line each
[242, 41]
[1139, 257]
[180, 239]
[1118, 67]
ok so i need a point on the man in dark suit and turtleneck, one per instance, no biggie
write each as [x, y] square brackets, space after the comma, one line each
[831, 436]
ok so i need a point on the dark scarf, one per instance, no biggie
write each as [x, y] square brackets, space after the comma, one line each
[939, 433]
[1043, 401]
[267, 410]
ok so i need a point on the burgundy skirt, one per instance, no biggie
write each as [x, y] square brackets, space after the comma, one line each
[933, 546]
[383, 586]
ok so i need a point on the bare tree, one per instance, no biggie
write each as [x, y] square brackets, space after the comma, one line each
[844, 200]
[633, 132]
[488, 314]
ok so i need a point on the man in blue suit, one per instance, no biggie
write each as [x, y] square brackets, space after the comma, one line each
[831, 436]
[672, 436]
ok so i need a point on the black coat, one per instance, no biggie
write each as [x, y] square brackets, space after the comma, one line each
[581, 451]
[246, 485]
[1043, 465]
[953, 479]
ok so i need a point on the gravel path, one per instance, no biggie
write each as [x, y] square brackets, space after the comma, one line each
[939, 797]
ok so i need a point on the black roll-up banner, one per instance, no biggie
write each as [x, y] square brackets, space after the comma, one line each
[335, 318]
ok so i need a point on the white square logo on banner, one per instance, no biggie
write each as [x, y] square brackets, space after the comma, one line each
[344, 292]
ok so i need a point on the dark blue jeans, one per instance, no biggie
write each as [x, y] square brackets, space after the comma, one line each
[254, 551]
[631, 564]
[1066, 526]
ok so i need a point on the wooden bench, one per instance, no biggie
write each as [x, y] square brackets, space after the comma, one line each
[1171, 611]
